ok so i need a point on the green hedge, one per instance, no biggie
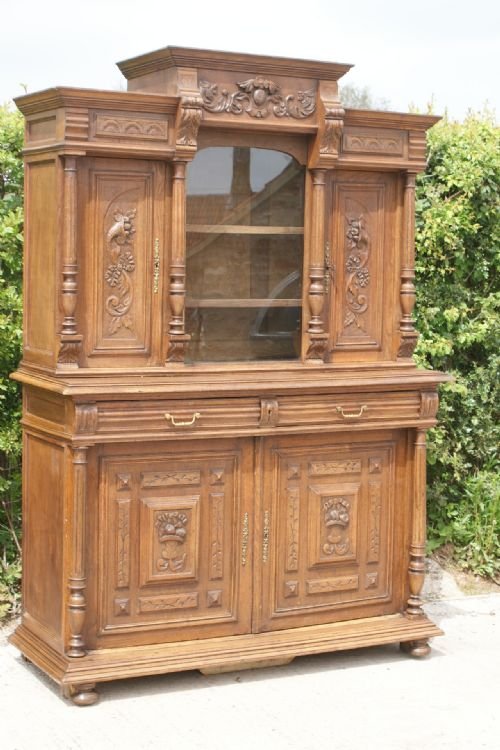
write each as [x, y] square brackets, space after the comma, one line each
[11, 241]
[457, 315]
[458, 249]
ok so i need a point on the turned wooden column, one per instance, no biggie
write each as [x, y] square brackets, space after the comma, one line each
[70, 340]
[77, 579]
[416, 569]
[407, 289]
[178, 338]
[316, 295]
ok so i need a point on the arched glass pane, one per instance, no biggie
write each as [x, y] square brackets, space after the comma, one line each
[245, 237]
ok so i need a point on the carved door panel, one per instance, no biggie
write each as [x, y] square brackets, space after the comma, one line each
[174, 532]
[331, 528]
[122, 242]
[365, 266]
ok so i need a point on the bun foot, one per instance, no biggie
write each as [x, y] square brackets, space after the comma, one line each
[417, 649]
[82, 695]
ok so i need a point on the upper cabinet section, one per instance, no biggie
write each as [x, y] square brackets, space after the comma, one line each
[225, 209]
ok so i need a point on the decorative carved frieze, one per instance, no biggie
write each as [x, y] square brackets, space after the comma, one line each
[168, 602]
[374, 508]
[373, 144]
[216, 535]
[129, 126]
[330, 585]
[258, 97]
[292, 529]
[319, 468]
[170, 478]
[119, 237]
[123, 529]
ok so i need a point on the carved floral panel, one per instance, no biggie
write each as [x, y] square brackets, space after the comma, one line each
[333, 522]
[361, 279]
[120, 235]
[170, 529]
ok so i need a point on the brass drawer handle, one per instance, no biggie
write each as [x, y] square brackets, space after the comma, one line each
[186, 423]
[351, 414]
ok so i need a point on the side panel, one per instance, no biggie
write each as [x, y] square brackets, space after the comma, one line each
[333, 515]
[40, 272]
[43, 530]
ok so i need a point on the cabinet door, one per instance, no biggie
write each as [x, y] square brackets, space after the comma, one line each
[122, 226]
[333, 519]
[173, 539]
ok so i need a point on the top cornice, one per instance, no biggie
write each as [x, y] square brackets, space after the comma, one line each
[60, 96]
[184, 57]
[381, 118]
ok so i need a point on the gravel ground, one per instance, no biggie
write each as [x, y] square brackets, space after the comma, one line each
[369, 699]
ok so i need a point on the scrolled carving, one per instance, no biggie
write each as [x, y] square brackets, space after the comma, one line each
[332, 133]
[189, 120]
[172, 532]
[357, 273]
[336, 518]
[117, 275]
[258, 97]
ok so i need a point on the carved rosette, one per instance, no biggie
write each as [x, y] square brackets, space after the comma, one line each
[258, 97]
[357, 273]
[172, 533]
[119, 239]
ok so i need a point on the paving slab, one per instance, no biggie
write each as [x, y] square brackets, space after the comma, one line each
[369, 699]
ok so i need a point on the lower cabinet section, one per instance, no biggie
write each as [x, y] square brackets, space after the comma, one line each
[220, 553]
[203, 539]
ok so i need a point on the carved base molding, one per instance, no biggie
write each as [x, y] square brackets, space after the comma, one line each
[212, 653]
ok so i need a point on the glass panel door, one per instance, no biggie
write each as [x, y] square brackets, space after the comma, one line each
[245, 238]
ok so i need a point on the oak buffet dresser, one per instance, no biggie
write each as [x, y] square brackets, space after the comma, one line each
[224, 429]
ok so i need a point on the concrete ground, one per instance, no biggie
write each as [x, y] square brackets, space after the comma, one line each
[370, 699]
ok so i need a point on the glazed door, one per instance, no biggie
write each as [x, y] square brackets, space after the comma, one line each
[174, 540]
[332, 525]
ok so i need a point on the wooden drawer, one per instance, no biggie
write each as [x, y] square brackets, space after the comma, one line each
[177, 417]
[189, 418]
[349, 409]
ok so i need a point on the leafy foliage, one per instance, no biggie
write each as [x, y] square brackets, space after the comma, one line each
[11, 240]
[458, 300]
[360, 97]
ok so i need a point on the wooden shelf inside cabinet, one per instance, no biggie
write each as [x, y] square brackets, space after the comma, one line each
[243, 302]
[241, 229]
